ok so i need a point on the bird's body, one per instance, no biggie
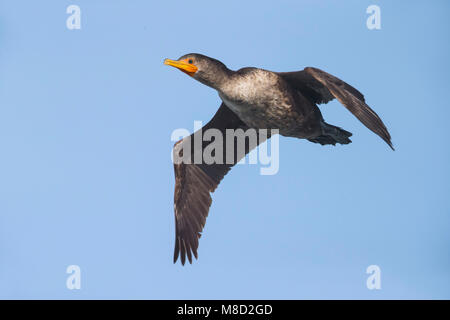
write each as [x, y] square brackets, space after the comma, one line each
[263, 100]
[254, 98]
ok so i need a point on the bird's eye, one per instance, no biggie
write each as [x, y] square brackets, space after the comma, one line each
[190, 61]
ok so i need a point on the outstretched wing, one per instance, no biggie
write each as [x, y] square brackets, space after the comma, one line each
[195, 181]
[321, 87]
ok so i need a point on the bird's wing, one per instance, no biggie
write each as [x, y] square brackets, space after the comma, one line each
[321, 87]
[195, 182]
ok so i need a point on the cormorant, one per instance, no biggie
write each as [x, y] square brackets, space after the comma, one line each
[259, 99]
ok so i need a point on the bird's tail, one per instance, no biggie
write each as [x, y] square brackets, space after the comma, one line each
[332, 135]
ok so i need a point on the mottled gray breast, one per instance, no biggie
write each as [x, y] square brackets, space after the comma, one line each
[261, 99]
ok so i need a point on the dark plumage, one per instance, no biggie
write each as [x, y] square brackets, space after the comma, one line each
[258, 99]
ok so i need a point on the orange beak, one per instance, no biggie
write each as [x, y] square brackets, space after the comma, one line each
[183, 65]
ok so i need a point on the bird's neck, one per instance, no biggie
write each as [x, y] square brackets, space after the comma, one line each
[220, 77]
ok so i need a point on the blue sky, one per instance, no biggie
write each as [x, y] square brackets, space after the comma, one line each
[86, 178]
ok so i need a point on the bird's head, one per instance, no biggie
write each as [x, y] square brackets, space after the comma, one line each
[208, 71]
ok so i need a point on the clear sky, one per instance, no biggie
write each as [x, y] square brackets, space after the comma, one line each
[86, 178]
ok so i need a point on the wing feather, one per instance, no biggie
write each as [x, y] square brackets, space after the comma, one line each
[194, 184]
[321, 87]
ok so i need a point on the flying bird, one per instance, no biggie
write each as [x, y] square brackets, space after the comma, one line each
[258, 99]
